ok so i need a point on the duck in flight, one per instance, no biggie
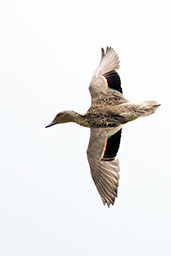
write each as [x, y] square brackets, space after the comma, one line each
[108, 113]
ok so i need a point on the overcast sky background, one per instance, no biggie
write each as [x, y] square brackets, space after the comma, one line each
[48, 202]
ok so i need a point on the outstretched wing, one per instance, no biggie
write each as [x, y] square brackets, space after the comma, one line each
[105, 76]
[101, 152]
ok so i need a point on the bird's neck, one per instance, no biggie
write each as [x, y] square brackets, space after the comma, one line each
[79, 119]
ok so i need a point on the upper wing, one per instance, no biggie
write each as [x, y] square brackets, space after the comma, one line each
[105, 76]
[101, 152]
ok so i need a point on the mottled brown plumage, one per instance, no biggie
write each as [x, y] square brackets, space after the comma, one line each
[109, 111]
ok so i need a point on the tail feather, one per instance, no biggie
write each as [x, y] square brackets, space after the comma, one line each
[147, 108]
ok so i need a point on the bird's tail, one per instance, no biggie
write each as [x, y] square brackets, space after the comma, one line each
[147, 108]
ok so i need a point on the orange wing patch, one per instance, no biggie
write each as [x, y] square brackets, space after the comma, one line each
[104, 148]
[105, 81]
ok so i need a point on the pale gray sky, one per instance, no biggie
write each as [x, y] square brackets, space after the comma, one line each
[48, 202]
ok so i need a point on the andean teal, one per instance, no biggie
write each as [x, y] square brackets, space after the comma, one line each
[108, 113]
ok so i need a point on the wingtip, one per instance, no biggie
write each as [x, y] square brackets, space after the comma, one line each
[102, 53]
[107, 201]
[108, 48]
[109, 61]
[110, 203]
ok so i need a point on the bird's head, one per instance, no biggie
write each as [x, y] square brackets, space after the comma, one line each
[63, 117]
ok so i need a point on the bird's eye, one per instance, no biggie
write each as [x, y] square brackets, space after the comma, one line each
[60, 114]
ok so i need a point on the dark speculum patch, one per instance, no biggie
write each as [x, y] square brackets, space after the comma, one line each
[113, 80]
[112, 146]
